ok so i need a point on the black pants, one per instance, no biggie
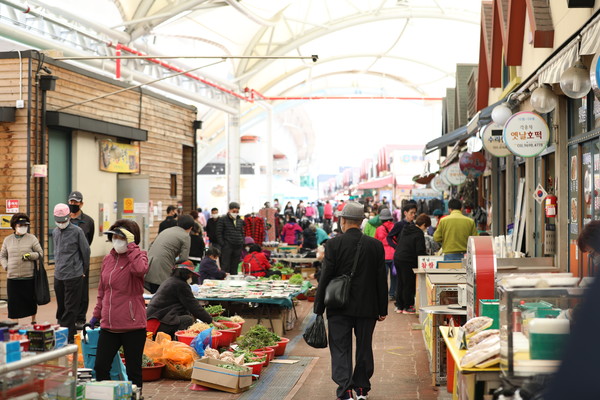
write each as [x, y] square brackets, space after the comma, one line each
[68, 297]
[340, 348]
[185, 321]
[133, 346]
[405, 291]
[230, 259]
[85, 297]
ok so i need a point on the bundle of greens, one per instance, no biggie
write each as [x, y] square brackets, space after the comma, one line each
[287, 271]
[296, 279]
[214, 310]
[233, 367]
[256, 338]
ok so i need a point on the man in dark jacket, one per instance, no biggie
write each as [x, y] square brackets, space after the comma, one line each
[409, 212]
[410, 246]
[171, 219]
[86, 223]
[211, 226]
[367, 305]
[230, 237]
[174, 304]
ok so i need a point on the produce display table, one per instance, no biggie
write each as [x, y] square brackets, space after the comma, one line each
[467, 383]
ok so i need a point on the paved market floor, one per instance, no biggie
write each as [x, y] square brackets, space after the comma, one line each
[401, 366]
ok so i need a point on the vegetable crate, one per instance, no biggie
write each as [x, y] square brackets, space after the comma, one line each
[208, 373]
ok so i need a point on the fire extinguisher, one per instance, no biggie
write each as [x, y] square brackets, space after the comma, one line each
[550, 206]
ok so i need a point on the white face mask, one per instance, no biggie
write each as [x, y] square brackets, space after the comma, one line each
[21, 230]
[62, 225]
[234, 215]
[120, 246]
[215, 216]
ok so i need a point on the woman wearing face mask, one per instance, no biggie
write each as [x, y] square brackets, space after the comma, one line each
[19, 251]
[174, 304]
[120, 307]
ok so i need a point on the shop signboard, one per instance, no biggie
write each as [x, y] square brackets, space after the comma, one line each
[454, 175]
[472, 164]
[439, 184]
[526, 134]
[491, 136]
[119, 157]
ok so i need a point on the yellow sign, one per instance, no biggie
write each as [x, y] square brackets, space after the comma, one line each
[119, 157]
[128, 205]
[5, 221]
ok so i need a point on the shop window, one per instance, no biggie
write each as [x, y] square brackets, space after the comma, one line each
[173, 185]
[577, 116]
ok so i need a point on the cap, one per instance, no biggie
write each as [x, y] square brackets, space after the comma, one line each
[22, 221]
[115, 231]
[234, 204]
[385, 215]
[75, 195]
[353, 210]
[189, 266]
[248, 240]
[61, 212]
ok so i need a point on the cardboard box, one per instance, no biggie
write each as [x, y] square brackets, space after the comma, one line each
[450, 264]
[108, 390]
[206, 373]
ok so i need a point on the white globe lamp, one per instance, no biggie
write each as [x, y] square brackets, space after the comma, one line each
[543, 99]
[575, 81]
[501, 113]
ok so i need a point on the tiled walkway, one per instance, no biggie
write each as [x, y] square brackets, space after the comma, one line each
[401, 366]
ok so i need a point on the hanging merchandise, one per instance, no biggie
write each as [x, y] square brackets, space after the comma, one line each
[472, 164]
[439, 184]
[491, 136]
[526, 134]
[454, 175]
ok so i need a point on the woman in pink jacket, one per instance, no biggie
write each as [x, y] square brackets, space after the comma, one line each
[120, 307]
[385, 216]
[289, 232]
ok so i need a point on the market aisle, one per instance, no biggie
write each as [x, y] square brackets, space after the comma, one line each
[401, 369]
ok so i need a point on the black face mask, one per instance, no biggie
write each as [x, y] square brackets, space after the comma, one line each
[74, 208]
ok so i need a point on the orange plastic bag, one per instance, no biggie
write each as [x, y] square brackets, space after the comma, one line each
[178, 357]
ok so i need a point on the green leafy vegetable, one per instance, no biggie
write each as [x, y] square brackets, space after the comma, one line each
[232, 367]
[147, 361]
[216, 309]
[296, 279]
[256, 338]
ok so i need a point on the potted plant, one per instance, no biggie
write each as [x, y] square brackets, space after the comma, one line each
[151, 371]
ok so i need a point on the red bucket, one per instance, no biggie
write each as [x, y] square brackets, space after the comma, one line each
[281, 345]
[270, 351]
[227, 336]
[183, 338]
[216, 339]
[153, 373]
[256, 368]
[233, 326]
[260, 354]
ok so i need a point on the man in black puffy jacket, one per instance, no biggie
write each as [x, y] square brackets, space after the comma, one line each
[230, 237]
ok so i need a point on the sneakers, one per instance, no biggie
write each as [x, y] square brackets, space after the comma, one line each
[361, 394]
[409, 310]
[347, 396]
[397, 310]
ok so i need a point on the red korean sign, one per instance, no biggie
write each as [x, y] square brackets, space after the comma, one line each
[12, 206]
[472, 164]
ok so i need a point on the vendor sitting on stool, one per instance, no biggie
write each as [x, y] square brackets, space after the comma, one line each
[174, 304]
[256, 264]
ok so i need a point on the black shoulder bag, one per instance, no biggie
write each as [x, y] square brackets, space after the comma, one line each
[40, 283]
[337, 293]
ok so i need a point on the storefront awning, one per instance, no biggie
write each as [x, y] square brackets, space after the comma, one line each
[377, 183]
[483, 117]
